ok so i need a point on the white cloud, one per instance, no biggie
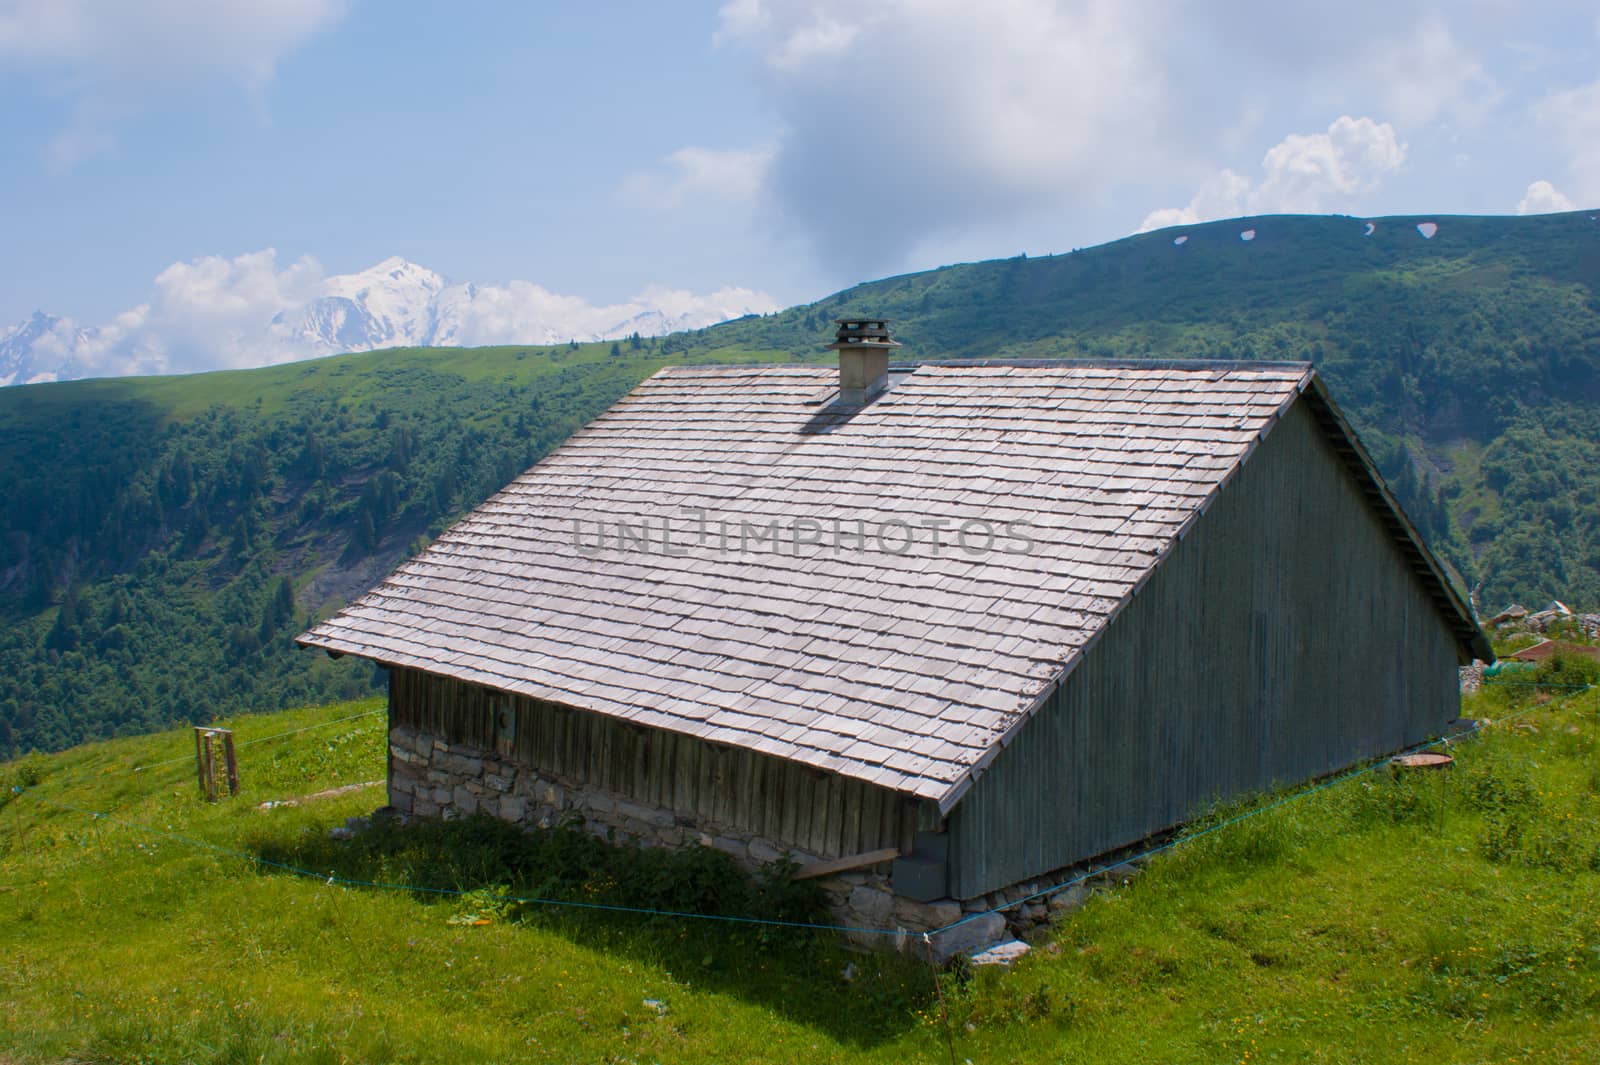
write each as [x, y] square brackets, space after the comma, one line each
[209, 313]
[1429, 73]
[521, 312]
[823, 39]
[1303, 173]
[111, 57]
[1223, 195]
[901, 120]
[249, 287]
[721, 175]
[1544, 198]
[1308, 172]
[218, 313]
[1573, 117]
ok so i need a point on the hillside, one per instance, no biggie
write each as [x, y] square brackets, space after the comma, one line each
[1441, 917]
[163, 538]
[1469, 362]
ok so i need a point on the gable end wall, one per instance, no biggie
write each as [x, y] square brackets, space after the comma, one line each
[1284, 638]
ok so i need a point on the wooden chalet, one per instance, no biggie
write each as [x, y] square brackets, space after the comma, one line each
[939, 628]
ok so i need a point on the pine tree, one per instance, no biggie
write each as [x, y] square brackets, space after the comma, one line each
[64, 634]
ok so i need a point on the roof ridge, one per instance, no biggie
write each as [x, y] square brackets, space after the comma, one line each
[1116, 364]
[1065, 363]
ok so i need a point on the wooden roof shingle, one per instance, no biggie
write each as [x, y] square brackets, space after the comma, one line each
[883, 592]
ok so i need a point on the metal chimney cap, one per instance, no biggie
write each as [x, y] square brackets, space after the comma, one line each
[862, 333]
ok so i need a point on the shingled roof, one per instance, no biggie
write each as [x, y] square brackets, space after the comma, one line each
[879, 656]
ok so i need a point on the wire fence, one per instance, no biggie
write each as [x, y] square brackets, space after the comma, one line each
[1186, 838]
[188, 756]
[266, 739]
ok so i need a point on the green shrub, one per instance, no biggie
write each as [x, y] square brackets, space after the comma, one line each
[16, 777]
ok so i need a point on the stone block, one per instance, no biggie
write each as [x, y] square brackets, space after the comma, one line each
[1002, 954]
[970, 936]
[653, 816]
[736, 847]
[924, 916]
[871, 907]
[460, 765]
[463, 801]
[1120, 874]
[1069, 899]
[424, 808]
[764, 852]
[496, 782]
[400, 801]
[513, 808]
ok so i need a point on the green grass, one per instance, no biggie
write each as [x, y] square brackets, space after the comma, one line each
[1438, 917]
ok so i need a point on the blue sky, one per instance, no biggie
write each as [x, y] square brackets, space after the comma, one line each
[790, 148]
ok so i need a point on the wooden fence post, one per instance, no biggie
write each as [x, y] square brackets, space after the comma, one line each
[200, 756]
[211, 766]
[205, 759]
[232, 763]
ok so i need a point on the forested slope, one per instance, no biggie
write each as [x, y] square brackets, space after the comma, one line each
[163, 538]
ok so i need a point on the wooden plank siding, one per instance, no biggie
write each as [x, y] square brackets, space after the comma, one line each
[820, 813]
[1284, 638]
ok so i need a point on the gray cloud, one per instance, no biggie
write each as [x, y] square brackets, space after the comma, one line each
[111, 58]
[909, 124]
[899, 119]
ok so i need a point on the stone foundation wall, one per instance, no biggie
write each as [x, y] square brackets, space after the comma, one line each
[432, 778]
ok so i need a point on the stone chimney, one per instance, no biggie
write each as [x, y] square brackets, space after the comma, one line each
[863, 345]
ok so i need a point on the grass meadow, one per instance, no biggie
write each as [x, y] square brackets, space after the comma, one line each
[1447, 916]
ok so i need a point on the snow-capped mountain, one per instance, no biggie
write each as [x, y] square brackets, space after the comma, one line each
[389, 305]
[39, 349]
[245, 312]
